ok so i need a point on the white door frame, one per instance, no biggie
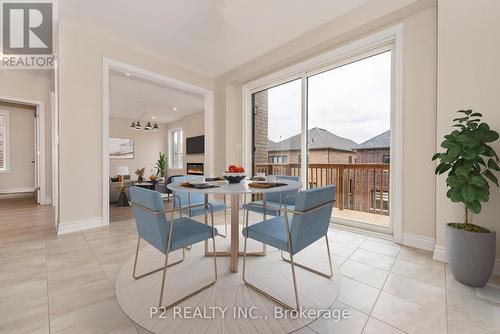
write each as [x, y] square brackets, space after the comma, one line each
[393, 36]
[40, 150]
[110, 64]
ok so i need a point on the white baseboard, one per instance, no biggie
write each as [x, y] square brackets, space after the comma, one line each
[79, 225]
[440, 255]
[17, 190]
[417, 241]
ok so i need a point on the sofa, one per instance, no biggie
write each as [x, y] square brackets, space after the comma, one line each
[115, 185]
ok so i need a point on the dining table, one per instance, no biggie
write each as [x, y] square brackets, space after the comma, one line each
[235, 190]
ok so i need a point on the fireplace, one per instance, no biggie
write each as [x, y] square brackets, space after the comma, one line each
[194, 168]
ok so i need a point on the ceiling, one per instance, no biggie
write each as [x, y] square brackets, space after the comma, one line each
[127, 92]
[208, 36]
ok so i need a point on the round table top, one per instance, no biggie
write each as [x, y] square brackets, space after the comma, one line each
[225, 187]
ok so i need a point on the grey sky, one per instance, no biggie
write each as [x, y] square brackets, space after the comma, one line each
[351, 101]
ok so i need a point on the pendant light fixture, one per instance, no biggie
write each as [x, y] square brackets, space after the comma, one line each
[137, 124]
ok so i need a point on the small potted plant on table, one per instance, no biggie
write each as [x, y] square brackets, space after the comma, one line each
[470, 163]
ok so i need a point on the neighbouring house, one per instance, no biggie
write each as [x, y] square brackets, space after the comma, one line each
[324, 147]
[375, 150]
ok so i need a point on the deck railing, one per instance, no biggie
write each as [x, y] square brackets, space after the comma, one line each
[360, 186]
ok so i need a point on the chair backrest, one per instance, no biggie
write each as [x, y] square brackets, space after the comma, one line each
[151, 227]
[186, 198]
[308, 227]
[169, 180]
[280, 197]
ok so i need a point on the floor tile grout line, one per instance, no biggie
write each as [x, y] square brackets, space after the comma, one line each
[47, 280]
[349, 258]
[446, 298]
[97, 260]
[107, 277]
[371, 266]
[340, 272]
[380, 292]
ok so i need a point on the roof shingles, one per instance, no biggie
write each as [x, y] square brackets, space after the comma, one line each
[383, 140]
[318, 139]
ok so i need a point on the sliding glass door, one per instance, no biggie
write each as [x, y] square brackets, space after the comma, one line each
[332, 126]
[349, 117]
[277, 130]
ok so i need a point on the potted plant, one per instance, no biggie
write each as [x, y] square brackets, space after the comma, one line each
[470, 163]
[161, 165]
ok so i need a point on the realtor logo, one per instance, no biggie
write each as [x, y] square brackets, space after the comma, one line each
[27, 36]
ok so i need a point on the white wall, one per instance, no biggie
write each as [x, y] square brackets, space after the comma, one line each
[468, 77]
[80, 108]
[21, 175]
[419, 19]
[192, 125]
[147, 145]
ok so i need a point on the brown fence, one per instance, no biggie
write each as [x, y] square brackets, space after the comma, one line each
[360, 187]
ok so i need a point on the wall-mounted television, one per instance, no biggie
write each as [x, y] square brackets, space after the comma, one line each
[195, 145]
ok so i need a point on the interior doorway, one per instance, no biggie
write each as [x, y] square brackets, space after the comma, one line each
[23, 149]
[24, 188]
[145, 114]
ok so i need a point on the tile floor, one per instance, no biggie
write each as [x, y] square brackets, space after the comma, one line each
[65, 284]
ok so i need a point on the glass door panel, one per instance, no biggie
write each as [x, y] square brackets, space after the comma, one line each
[276, 130]
[348, 144]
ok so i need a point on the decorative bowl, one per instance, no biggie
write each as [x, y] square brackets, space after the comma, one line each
[235, 177]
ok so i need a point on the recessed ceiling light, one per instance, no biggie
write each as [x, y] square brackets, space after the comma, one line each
[175, 108]
[153, 117]
[128, 74]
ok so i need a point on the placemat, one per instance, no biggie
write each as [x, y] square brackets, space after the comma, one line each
[265, 185]
[198, 186]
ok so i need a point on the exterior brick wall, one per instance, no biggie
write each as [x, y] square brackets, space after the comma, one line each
[372, 156]
[261, 126]
[366, 183]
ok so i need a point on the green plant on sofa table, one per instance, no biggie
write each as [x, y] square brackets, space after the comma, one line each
[470, 162]
[161, 165]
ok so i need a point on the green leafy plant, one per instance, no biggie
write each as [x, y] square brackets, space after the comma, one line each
[161, 165]
[470, 163]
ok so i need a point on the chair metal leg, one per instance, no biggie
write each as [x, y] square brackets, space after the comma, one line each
[264, 246]
[314, 270]
[276, 300]
[261, 253]
[194, 292]
[155, 270]
[225, 225]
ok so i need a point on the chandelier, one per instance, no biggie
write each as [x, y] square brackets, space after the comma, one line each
[137, 124]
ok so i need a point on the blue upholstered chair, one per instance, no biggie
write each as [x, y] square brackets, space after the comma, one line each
[275, 199]
[188, 199]
[167, 235]
[294, 231]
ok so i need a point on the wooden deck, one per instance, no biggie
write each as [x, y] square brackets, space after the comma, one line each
[363, 217]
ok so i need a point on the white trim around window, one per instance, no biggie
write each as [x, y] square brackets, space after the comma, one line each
[179, 162]
[389, 39]
[6, 142]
